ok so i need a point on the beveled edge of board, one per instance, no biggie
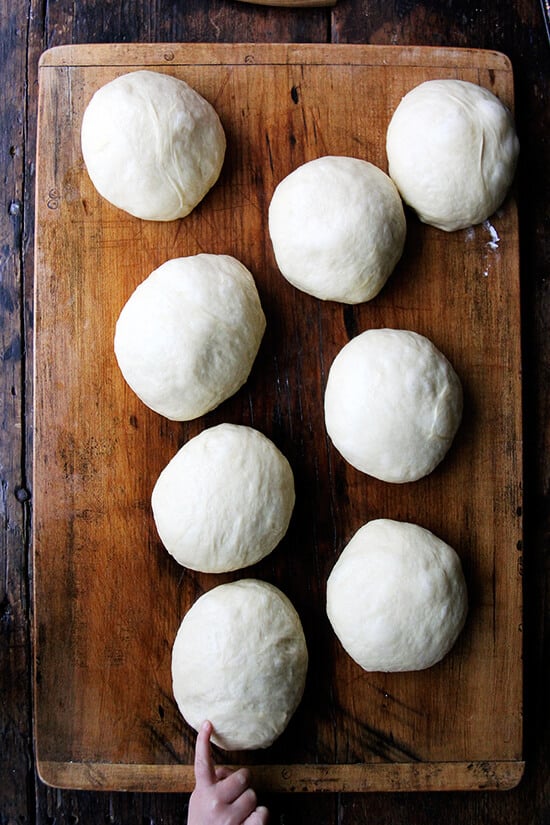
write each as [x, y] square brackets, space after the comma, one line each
[357, 778]
[170, 54]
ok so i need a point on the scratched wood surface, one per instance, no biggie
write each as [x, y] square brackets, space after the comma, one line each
[108, 599]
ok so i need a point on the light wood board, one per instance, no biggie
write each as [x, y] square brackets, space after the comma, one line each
[108, 598]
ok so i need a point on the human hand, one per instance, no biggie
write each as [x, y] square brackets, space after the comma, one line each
[221, 796]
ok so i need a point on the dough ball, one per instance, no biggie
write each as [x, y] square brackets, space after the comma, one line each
[396, 597]
[452, 152]
[338, 228]
[225, 500]
[240, 660]
[393, 404]
[188, 336]
[152, 145]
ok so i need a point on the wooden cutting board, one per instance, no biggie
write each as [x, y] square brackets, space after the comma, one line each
[108, 598]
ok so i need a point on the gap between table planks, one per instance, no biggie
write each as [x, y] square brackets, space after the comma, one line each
[108, 599]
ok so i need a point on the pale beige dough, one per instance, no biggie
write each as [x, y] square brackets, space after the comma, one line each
[240, 660]
[396, 597]
[338, 228]
[152, 145]
[188, 335]
[393, 404]
[452, 151]
[225, 499]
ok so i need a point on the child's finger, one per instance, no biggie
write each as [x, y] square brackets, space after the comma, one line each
[244, 805]
[233, 786]
[204, 766]
[258, 817]
[222, 772]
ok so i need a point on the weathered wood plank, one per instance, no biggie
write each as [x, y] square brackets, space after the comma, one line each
[172, 21]
[297, 4]
[15, 720]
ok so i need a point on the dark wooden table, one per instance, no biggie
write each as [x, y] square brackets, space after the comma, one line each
[27, 28]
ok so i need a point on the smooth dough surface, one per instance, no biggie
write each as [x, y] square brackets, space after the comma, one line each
[240, 660]
[188, 335]
[393, 404]
[338, 228]
[452, 151]
[152, 145]
[396, 597]
[225, 500]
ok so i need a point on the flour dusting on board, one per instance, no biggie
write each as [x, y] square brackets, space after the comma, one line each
[495, 238]
[491, 246]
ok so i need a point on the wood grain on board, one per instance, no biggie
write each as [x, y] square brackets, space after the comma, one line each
[108, 598]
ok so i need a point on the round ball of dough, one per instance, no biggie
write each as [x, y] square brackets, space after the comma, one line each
[187, 337]
[225, 500]
[240, 660]
[452, 152]
[152, 145]
[338, 228]
[393, 404]
[396, 597]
